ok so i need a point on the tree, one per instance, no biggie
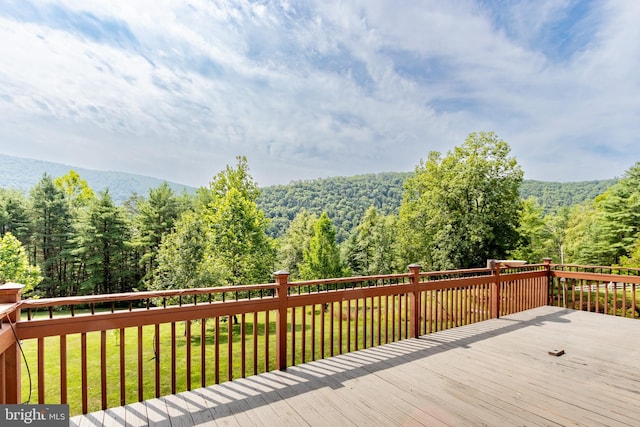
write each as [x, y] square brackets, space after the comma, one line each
[532, 233]
[101, 244]
[183, 258]
[14, 216]
[462, 209]
[371, 248]
[581, 234]
[618, 222]
[76, 190]
[292, 245]
[237, 178]
[155, 219]
[322, 259]
[633, 258]
[14, 264]
[52, 228]
[239, 242]
[232, 247]
[556, 228]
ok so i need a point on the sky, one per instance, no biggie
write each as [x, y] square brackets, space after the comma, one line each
[314, 89]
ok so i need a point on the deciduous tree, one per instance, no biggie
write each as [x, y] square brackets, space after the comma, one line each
[371, 248]
[322, 259]
[231, 247]
[292, 245]
[463, 208]
[15, 266]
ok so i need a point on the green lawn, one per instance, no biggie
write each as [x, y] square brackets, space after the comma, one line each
[623, 301]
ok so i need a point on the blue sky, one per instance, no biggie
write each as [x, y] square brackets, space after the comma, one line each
[307, 90]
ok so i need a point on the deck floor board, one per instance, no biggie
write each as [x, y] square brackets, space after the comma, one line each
[496, 372]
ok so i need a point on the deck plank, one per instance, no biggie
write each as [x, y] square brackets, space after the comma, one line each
[157, 413]
[114, 416]
[497, 372]
[136, 415]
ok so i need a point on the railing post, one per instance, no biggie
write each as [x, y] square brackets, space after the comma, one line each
[495, 291]
[547, 266]
[11, 293]
[282, 279]
[414, 302]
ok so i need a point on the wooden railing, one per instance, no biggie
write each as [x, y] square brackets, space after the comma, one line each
[607, 290]
[95, 352]
[9, 347]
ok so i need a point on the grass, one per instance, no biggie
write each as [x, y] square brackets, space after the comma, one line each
[589, 301]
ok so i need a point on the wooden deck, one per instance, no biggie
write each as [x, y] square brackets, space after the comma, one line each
[495, 373]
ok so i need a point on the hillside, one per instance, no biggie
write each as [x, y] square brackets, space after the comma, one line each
[345, 199]
[552, 195]
[22, 174]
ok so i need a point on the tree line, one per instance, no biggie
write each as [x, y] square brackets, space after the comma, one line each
[457, 210]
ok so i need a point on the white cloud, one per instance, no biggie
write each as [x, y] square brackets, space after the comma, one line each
[178, 90]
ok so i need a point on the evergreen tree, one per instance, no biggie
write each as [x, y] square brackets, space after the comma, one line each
[14, 215]
[51, 232]
[371, 248]
[155, 219]
[101, 242]
[618, 222]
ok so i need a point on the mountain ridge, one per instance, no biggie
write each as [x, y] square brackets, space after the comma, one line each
[345, 199]
[23, 173]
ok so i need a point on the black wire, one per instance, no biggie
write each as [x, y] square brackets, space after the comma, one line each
[24, 357]
[155, 350]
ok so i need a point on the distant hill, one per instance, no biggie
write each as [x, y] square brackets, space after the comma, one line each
[22, 174]
[345, 199]
[553, 195]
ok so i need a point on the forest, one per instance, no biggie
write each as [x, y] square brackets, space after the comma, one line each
[346, 199]
[455, 210]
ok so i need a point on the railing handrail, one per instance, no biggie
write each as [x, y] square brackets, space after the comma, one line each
[172, 293]
[6, 308]
[596, 267]
[602, 277]
[138, 296]
[348, 279]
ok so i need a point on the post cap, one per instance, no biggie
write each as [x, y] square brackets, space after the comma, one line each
[11, 287]
[281, 273]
